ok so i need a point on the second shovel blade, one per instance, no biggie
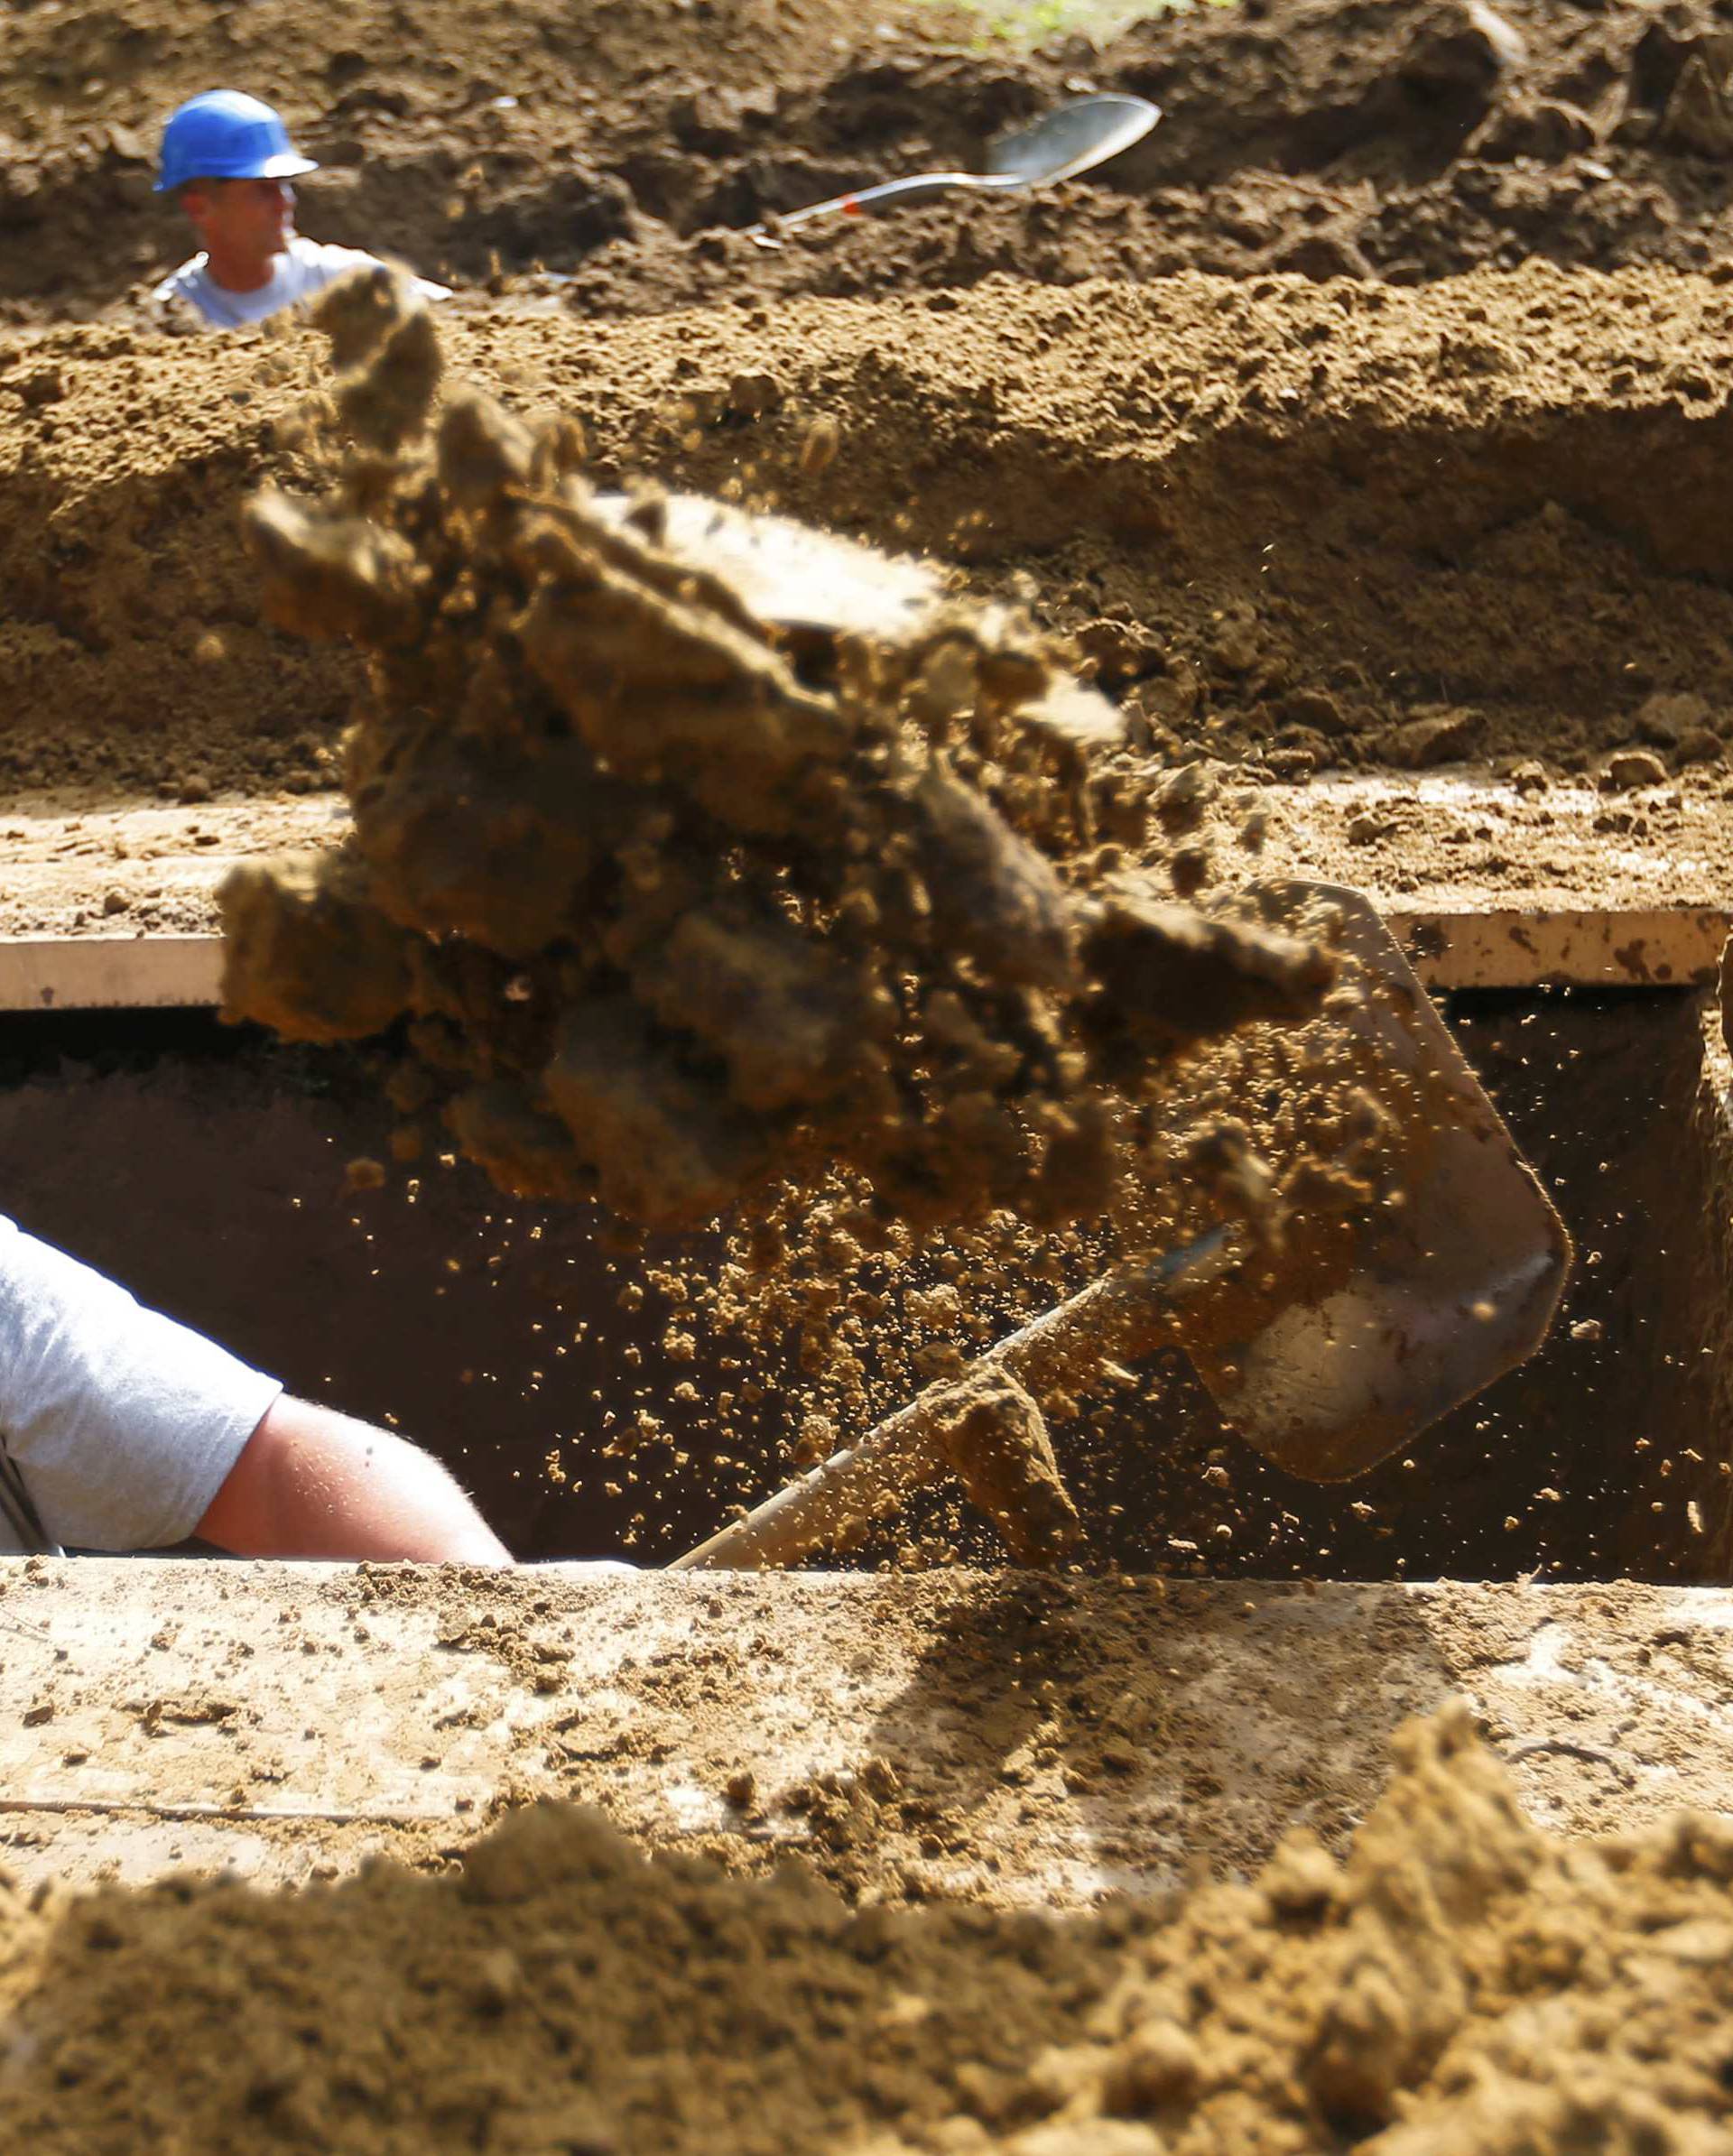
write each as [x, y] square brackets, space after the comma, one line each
[1073, 138]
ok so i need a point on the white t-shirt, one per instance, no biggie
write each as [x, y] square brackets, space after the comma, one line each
[119, 1425]
[304, 268]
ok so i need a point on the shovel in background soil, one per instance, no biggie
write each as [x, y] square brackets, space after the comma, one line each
[1073, 138]
[1440, 1295]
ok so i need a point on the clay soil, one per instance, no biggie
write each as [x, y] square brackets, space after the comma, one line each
[1373, 416]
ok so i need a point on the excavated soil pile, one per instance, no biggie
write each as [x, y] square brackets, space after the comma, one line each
[1399, 140]
[1293, 526]
[1462, 1981]
[673, 908]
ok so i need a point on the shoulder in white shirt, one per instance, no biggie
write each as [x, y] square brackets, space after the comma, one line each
[303, 268]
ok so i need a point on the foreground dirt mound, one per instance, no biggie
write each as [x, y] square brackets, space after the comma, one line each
[1462, 1981]
[1402, 140]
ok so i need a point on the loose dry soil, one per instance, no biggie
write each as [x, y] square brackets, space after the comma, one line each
[1373, 416]
[1462, 1981]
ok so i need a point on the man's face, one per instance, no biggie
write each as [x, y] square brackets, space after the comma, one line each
[243, 218]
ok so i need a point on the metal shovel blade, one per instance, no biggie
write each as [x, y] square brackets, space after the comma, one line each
[1073, 138]
[1442, 1294]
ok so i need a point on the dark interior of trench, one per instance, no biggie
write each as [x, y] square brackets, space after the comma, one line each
[204, 1167]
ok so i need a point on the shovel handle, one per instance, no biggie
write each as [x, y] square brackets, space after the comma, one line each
[1127, 1313]
[889, 194]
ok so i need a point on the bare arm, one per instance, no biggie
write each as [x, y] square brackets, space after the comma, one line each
[312, 1483]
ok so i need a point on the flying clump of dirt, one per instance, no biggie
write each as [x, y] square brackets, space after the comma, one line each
[994, 1437]
[674, 905]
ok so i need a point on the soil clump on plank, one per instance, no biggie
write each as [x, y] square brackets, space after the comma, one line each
[1461, 1979]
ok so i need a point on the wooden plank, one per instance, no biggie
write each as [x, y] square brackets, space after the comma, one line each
[1642, 947]
[94, 973]
[269, 1717]
[1509, 947]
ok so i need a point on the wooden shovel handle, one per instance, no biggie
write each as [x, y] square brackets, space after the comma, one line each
[1125, 1314]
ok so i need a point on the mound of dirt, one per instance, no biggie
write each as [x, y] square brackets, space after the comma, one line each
[134, 657]
[1461, 1981]
[460, 136]
[676, 904]
[1403, 141]
[1291, 526]
[1413, 139]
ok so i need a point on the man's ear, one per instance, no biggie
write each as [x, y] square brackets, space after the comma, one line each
[196, 200]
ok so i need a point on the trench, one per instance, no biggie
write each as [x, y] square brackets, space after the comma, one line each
[204, 1166]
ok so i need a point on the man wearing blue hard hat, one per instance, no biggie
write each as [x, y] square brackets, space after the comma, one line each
[230, 161]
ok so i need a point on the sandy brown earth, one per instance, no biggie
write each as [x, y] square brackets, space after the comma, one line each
[838, 1802]
[1463, 1980]
[1185, 477]
[1297, 525]
[1190, 475]
[1370, 420]
[1402, 141]
[790, 1955]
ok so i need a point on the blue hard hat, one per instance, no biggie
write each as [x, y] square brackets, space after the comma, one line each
[224, 135]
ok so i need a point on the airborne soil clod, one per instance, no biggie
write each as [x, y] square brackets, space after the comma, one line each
[994, 1438]
[1360, 443]
[672, 910]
